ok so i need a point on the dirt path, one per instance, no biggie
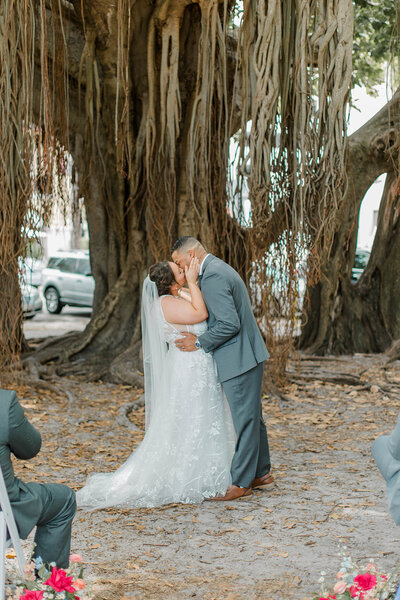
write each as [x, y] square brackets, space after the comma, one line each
[273, 545]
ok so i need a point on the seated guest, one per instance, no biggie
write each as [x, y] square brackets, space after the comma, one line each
[386, 452]
[51, 506]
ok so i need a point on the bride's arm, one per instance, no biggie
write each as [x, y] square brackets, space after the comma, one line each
[182, 312]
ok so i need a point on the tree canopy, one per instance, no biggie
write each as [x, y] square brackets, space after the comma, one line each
[375, 43]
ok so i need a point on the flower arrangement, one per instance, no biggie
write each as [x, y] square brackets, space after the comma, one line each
[40, 583]
[360, 583]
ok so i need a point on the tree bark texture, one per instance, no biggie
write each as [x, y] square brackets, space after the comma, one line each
[341, 316]
[147, 96]
[149, 93]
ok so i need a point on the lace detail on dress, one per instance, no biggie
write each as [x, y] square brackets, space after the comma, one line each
[187, 451]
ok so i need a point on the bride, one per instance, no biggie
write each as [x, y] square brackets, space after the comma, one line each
[186, 453]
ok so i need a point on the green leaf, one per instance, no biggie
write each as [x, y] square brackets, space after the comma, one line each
[30, 585]
[43, 572]
[375, 37]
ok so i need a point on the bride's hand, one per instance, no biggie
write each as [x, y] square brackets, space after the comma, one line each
[192, 272]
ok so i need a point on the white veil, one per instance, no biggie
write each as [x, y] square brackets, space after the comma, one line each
[154, 348]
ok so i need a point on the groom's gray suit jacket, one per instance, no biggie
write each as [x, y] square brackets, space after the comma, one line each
[233, 335]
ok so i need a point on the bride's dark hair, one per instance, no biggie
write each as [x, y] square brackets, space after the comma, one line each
[162, 275]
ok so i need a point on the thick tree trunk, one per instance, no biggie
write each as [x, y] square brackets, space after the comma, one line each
[150, 142]
[10, 316]
[134, 220]
[342, 317]
[17, 211]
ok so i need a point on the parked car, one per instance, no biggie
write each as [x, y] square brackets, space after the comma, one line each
[31, 300]
[67, 279]
[360, 262]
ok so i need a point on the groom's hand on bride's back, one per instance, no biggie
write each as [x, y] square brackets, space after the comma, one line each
[187, 342]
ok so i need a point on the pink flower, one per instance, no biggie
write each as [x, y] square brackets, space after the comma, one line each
[365, 582]
[340, 587]
[79, 584]
[371, 567]
[75, 558]
[355, 592]
[59, 581]
[30, 595]
[328, 598]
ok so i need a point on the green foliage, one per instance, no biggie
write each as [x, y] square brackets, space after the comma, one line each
[376, 42]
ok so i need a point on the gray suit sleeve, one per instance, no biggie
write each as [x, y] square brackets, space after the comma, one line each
[218, 297]
[24, 440]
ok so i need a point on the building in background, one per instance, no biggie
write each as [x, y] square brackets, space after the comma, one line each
[368, 219]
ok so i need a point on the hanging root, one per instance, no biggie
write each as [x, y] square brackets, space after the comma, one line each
[297, 148]
[29, 156]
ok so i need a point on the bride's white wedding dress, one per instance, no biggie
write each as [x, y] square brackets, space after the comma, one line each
[186, 453]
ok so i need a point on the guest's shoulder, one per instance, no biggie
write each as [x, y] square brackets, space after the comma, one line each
[8, 398]
[8, 405]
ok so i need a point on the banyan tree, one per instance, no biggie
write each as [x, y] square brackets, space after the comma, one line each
[147, 97]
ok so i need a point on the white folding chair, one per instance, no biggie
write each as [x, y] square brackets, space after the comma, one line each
[7, 523]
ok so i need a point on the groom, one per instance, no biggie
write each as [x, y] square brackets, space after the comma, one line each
[239, 352]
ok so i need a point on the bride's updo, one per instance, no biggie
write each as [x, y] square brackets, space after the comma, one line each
[162, 275]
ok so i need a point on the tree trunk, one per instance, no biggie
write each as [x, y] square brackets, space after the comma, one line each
[149, 98]
[16, 209]
[159, 182]
[341, 316]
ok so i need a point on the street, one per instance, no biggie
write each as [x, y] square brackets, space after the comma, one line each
[46, 324]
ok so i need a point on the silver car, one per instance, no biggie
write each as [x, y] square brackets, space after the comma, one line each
[67, 279]
[31, 301]
[360, 262]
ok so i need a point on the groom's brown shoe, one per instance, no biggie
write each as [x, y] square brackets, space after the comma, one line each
[234, 492]
[261, 482]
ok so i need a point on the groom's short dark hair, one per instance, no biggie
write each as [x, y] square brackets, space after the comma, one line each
[185, 243]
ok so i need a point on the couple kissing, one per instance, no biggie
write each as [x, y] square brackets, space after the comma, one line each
[203, 359]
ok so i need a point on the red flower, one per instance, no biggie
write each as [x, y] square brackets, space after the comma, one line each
[328, 598]
[365, 582]
[59, 581]
[30, 595]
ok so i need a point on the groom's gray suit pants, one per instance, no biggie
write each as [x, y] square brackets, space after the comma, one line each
[251, 458]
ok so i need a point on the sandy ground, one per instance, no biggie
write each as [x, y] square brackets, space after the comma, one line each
[271, 546]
